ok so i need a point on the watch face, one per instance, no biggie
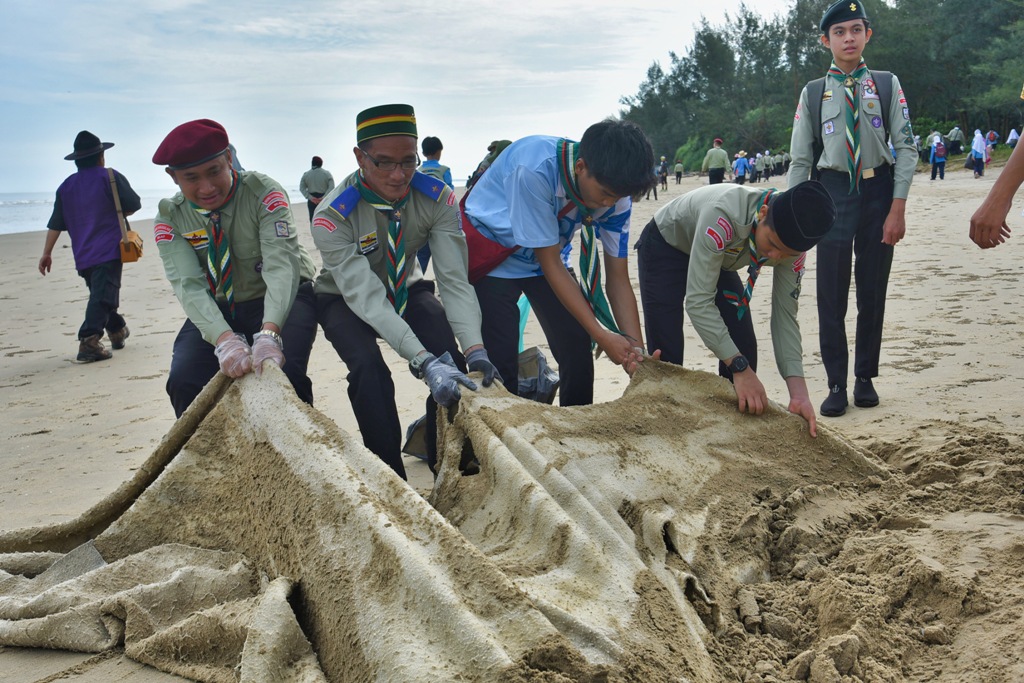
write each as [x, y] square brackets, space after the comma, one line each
[739, 364]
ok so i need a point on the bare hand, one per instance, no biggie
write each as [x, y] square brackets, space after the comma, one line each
[894, 229]
[638, 356]
[988, 225]
[45, 262]
[750, 394]
[803, 408]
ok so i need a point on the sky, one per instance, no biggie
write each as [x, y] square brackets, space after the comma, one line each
[287, 79]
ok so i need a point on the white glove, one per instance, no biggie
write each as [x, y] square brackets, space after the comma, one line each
[266, 346]
[233, 356]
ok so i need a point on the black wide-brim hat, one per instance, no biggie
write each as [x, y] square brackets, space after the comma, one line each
[87, 145]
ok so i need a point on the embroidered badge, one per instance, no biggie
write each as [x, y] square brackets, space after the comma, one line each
[275, 200]
[368, 243]
[829, 128]
[451, 199]
[798, 265]
[826, 96]
[716, 238]
[199, 239]
[726, 227]
[162, 233]
[321, 222]
[876, 121]
[869, 88]
[906, 113]
[903, 100]
[281, 228]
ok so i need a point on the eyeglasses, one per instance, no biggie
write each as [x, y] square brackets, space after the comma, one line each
[388, 166]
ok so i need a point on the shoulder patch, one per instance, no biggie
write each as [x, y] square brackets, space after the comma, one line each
[430, 186]
[325, 223]
[716, 238]
[726, 227]
[798, 265]
[162, 233]
[274, 200]
[345, 203]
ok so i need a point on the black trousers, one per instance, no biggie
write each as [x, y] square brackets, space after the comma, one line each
[312, 206]
[716, 176]
[104, 283]
[568, 340]
[662, 273]
[856, 236]
[370, 387]
[193, 362]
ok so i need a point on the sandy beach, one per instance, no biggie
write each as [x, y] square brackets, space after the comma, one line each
[952, 363]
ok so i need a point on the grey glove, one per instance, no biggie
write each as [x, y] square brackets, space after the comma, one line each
[444, 379]
[478, 361]
[267, 346]
[233, 356]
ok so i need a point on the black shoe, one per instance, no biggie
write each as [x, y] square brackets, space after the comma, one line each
[835, 404]
[864, 394]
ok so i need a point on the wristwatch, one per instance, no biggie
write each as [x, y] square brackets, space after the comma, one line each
[417, 363]
[273, 335]
[738, 364]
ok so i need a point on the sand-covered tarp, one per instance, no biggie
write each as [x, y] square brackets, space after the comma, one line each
[658, 537]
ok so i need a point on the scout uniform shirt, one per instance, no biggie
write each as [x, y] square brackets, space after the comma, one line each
[352, 237]
[317, 182]
[874, 148]
[716, 157]
[712, 224]
[520, 200]
[267, 260]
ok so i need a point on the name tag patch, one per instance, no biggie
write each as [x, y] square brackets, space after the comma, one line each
[716, 238]
[321, 222]
[274, 201]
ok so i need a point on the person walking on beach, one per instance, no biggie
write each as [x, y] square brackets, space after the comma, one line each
[857, 110]
[519, 219]
[315, 183]
[740, 167]
[690, 252]
[937, 156]
[231, 253]
[84, 208]
[979, 153]
[716, 163]
[368, 231]
[679, 172]
[956, 140]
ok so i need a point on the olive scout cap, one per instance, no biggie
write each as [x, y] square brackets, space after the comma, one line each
[844, 10]
[387, 119]
[86, 145]
[803, 215]
[191, 144]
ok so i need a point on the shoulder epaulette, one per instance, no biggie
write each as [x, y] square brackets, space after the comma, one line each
[429, 185]
[346, 202]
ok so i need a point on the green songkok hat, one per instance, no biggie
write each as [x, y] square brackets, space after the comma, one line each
[384, 120]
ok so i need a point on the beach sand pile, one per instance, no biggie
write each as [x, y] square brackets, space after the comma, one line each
[657, 535]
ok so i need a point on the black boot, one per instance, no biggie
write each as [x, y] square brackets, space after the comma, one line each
[835, 404]
[864, 394]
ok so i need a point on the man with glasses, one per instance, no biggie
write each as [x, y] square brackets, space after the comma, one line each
[368, 230]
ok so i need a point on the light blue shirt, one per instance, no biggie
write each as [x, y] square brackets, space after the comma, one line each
[520, 200]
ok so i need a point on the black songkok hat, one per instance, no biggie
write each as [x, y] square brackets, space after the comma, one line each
[803, 215]
[838, 12]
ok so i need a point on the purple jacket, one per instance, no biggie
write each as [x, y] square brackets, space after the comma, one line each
[84, 207]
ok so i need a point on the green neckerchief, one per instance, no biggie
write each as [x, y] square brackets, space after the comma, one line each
[742, 301]
[218, 252]
[852, 112]
[398, 293]
[590, 264]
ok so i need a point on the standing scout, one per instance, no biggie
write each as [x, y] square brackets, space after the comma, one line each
[368, 230]
[231, 253]
[84, 208]
[690, 251]
[520, 217]
[859, 110]
[715, 164]
[315, 183]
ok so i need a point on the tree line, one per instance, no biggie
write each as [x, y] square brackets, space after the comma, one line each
[960, 62]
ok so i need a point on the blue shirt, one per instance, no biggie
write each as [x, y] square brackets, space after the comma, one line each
[434, 163]
[520, 201]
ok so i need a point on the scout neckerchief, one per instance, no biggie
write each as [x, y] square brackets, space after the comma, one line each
[218, 253]
[849, 82]
[742, 302]
[398, 294]
[590, 265]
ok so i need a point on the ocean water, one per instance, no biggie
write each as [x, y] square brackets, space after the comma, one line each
[28, 211]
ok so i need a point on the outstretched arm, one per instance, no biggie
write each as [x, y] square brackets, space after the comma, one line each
[988, 224]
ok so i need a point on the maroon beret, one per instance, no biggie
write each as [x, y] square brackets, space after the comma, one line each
[191, 144]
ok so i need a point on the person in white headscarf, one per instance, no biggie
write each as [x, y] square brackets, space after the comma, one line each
[978, 153]
[1011, 139]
